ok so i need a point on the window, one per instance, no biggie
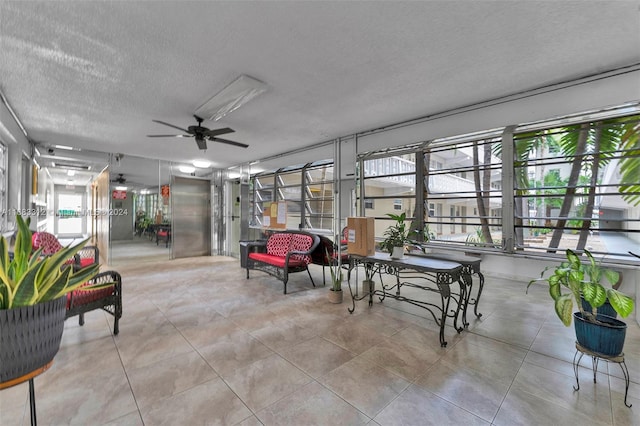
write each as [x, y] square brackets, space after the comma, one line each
[307, 190]
[568, 183]
[578, 187]
[369, 203]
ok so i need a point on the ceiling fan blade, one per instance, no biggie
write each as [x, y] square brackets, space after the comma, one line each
[217, 132]
[227, 141]
[169, 136]
[170, 125]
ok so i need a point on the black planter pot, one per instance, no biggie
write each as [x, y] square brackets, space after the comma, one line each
[605, 337]
[30, 337]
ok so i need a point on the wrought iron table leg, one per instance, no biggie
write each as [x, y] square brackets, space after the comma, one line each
[576, 366]
[477, 301]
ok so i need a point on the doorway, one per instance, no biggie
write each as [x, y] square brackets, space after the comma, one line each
[70, 219]
[232, 218]
[191, 217]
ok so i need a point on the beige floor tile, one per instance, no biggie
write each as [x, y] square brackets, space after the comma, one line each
[168, 377]
[592, 400]
[523, 408]
[416, 406]
[266, 381]
[232, 351]
[471, 390]
[131, 419]
[281, 335]
[312, 404]
[317, 356]
[209, 403]
[407, 361]
[365, 385]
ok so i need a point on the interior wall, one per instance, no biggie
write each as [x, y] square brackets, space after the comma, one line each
[535, 106]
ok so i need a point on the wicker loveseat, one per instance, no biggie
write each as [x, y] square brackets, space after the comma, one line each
[108, 299]
[286, 252]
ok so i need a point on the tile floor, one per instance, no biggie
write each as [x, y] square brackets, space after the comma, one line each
[200, 344]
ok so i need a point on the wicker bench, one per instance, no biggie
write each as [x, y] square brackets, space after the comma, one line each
[108, 299]
[287, 252]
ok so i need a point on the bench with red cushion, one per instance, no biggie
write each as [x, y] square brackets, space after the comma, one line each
[286, 252]
[108, 299]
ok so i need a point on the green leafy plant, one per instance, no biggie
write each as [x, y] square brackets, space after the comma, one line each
[583, 280]
[336, 278]
[397, 234]
[30, 278]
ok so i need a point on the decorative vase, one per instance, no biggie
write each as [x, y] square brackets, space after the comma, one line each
[30, 337]
[605, 337]
[397, 253]
[335, 296]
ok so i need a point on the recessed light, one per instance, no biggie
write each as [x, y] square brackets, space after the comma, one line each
[71, 172]
[121, 188]
[68, 148]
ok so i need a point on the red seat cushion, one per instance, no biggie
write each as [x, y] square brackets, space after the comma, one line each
[163, 233]
[82, 297]
[86, 261]
[278, 261]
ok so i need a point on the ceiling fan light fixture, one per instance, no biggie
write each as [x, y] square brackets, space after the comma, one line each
[237, 93]
[187, 169]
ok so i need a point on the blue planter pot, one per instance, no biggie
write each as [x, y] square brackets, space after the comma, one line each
[605, 309]
[605, 337]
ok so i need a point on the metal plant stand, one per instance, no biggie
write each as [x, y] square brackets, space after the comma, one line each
[595, 357]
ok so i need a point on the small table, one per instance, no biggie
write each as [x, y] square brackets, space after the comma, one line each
[432, 275]
[595, 357]
[32, 394]
[470, 267]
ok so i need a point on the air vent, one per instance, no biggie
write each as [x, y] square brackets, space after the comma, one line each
[71, 166]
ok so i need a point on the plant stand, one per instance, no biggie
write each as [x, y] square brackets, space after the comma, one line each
[32, 393]
[595, 357]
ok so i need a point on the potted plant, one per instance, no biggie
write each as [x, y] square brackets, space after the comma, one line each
[599, 333]
[335, 292]
[396, 236]
[33, 292]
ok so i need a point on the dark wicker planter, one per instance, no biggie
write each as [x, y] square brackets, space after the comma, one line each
[30, 337]
[606, 337]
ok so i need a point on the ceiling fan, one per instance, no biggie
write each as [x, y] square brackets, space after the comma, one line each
[120, 179]
[201, 134]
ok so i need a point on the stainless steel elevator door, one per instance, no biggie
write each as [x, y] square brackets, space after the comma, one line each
[191, 217]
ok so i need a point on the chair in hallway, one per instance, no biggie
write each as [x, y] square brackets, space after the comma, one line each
[109, 299]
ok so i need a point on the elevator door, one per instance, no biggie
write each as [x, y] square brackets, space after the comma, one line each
[191, 217]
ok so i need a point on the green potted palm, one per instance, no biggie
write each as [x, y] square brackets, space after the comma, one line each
[33, 292]
[599, 333]
[396, 236]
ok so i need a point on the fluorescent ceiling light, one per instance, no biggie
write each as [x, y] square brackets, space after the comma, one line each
[201, 164]
[121, 188]
[232, 97]
[187, 169]
[68, 148]
[71, 172]
[37, 151]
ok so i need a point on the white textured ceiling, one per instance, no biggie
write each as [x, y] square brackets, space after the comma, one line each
[95, 74]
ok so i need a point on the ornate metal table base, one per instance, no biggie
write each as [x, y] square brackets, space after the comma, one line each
[429, 275]
[595, 357]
